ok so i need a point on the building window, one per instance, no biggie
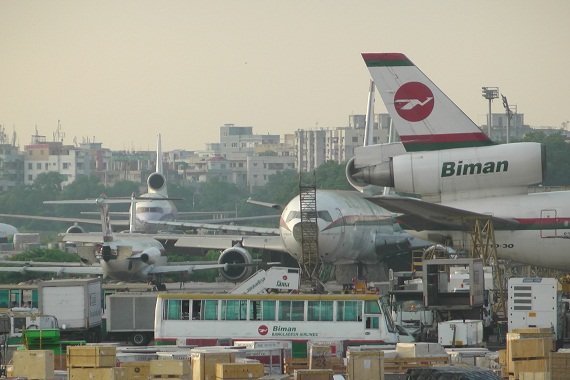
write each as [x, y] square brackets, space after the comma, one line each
[30, 177]
[30, 166]
[39, 166]
[65, 165]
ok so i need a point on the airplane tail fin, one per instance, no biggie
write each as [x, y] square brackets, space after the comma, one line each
[156, 181]
[159, 156]
[425, 118]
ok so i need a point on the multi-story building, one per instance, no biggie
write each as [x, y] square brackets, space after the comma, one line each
[315, 147]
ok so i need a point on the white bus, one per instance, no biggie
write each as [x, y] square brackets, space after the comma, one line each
[220, 319]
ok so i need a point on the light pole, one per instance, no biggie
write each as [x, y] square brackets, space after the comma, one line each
[490, 93]
[509, 114]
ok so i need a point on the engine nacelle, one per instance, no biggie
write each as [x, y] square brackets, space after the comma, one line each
[236, 255]
[150, 256]
[156, 182]
[457, 170]
[75, 229]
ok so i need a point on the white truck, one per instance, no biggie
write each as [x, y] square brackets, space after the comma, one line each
[129, 317]
[76, 303]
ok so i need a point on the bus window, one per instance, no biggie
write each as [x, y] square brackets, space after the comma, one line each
[210, 310]
[261, 310]
[371, 307]
[291, 310]
[234, 310]
[186, 309]
[320, 310]
[372, 322]
[349, 311]
[196, 308]
[172, 309]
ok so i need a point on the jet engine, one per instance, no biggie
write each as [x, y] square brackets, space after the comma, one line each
[241, 258]
[156, 181]
[150, 255]
[453, 170]
[75, 229]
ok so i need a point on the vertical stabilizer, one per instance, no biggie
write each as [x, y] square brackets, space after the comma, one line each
[425, 118]
[159, 156]
[369, 128]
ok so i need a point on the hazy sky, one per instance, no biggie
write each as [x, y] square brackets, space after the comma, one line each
[123, 71]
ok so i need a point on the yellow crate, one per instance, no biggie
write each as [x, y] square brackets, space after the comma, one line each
[136, 370]
[91, 356]
[226, 371]
[101, 373]
[531, 347]
[313, 374]
[169, 368]
[204, 363]
[364, 365]
[33, 364]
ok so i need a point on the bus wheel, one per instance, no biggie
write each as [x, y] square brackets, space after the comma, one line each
[139, 339]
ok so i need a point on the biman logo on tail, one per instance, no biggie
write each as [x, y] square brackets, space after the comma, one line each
[451, 168]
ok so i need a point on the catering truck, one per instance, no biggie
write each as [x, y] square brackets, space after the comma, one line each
[129, 316]
[76, 303]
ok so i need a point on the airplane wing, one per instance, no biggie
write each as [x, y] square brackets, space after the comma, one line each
[178, 268]
[274, 243]
[94, 270]
[63, 219]
[420, 215]
[220, 227]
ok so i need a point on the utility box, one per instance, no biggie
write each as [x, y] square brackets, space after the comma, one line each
[439, 292]
[535, 302]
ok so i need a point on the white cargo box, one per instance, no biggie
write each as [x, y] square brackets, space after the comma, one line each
[460, 333]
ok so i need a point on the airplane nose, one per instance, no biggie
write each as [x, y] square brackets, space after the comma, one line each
[310, 230]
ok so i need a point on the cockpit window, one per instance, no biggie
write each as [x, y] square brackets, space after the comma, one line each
[293, 215]
[325, 215]
[149, 209]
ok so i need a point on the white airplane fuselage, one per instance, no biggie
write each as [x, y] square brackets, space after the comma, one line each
[351, 229]
[543, 235]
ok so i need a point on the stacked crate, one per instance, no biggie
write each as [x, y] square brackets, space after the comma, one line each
[313, 374]
[170, 369]
[365, 365]
[238, 371]
[136, 370]
[95, 362]
[33, 364]
[204, 362]
[528, 351]
[560, 365]
[323, 356]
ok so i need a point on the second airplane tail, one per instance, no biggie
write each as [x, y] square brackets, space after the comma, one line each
[425, 118]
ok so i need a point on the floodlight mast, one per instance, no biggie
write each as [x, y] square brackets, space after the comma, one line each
[490, 93]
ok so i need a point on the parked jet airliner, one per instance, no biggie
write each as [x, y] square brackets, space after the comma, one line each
[459, 173]
[122, 257]
[354, 235]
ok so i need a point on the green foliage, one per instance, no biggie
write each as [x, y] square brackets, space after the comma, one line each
[557, 157]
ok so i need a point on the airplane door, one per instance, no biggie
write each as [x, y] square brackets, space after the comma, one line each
[548, 223]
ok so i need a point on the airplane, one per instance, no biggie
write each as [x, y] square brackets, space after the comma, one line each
[7, 231]
[456, 174]
[354, 235]
[123, 257]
